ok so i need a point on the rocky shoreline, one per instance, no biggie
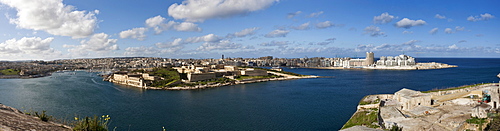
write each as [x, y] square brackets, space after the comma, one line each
[12, 119]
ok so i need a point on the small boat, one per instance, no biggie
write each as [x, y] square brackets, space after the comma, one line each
[498, 75]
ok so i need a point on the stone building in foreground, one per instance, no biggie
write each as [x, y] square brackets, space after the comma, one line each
[410, 99]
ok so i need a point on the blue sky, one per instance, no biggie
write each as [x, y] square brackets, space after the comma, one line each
[57, 29]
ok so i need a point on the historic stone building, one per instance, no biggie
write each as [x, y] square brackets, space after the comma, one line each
[409, 99]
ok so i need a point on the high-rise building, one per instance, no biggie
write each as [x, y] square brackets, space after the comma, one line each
[369, 60]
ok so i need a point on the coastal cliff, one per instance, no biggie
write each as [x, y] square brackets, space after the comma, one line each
[12, 119]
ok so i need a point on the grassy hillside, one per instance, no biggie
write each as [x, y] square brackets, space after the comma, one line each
[170, 75]
[9, 72]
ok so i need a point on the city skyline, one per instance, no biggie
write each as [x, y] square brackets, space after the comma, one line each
[57, 29]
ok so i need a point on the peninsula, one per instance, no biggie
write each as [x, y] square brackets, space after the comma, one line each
[198, 77]
[473, 107]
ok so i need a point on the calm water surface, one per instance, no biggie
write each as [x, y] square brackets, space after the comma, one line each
[304, 104]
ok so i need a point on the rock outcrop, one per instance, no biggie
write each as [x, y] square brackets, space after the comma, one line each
[12, 119]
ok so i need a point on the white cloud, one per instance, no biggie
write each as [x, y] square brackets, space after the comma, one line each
[411, 42]
[453, 47]
[325, 24]
[407, 32]
[176, 43]
[433, 31]
[135, 33]
[100, 43]
[186, 26]
[155, 21]
[374, 31]
[407, 23]
[243, 33]
[53, 17]
[383, 18]
[291, 15]
[439, 16]
[315, 14]
[140, 51]
[304, 26]
[160, 24]
[448, 31]
[277, 33]
[27, 45]
[483, 17]
[275, 43]
[222, 45]
[326, 42]
[458, 28]
[200, 10]
[206, 38]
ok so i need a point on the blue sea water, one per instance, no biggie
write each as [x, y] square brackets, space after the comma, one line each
[302, 104]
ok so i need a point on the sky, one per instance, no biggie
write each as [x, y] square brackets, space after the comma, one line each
[199, 29]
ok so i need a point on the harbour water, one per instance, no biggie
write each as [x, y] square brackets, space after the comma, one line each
[302, 104]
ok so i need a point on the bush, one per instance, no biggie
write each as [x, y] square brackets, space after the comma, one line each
[43, 116]
[92, 124]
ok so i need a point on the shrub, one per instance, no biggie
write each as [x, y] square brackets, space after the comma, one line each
[43, 116]
[92, 123]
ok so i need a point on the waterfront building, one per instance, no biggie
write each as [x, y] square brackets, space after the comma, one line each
[348, 62]
[137, 80]
[401, 60]
[193, 77]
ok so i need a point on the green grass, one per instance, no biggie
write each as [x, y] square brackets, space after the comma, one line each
[9, 72]
[170, 76]
[454, 88]
[214, 81]
[365, 118]
[91, 123]
[476, 120]
[362, 102]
